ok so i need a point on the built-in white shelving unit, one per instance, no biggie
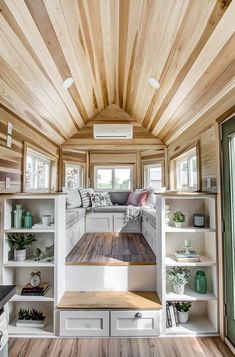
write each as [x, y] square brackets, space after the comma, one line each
[204, 311]
[18, 273]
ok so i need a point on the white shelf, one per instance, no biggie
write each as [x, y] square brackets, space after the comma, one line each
[205, 261]
[25, 230]
[197, 325]
[171, 229]
[29, 263]
[190, 295]
[29, 331]
[47, 297]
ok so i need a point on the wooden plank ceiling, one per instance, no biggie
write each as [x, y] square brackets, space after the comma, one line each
[111, 48]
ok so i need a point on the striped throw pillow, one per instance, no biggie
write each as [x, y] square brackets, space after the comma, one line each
[86, 197]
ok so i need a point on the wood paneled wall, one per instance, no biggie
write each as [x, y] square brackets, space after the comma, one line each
[112, 159]
[208, 141]
[134, 159]
[11, 159]
[72, 157]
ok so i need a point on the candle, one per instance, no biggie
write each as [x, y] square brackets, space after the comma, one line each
[187, 243]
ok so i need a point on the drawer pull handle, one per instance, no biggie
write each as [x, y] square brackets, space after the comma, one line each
[138, 315]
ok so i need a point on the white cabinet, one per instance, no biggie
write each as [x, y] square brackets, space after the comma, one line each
[52, 270]
[118, 222]
[99, 222]
[148, 230]
[204, 311]
[84, 323]
[73, 235]
[110, 222]
[135, 323]
[128, 323]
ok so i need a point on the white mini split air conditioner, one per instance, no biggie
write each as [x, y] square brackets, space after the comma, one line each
[113, 131]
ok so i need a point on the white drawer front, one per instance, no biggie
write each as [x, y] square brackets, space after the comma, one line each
[135, 323]
[118, 224]
[84, 323]
[99, 224]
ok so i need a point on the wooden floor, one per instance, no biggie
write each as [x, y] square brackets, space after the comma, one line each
[111, 249]
[120, 347]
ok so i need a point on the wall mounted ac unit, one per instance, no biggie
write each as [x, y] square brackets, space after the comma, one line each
[113, 131]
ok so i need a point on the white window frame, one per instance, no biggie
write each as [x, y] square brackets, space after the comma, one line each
[81, 172]
[38, 156]
[187, 156]
[147, 168]
[96, 168]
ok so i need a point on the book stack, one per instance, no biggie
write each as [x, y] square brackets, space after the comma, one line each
[40, 225]
[171, 315]
[190, 256]
[40, 290]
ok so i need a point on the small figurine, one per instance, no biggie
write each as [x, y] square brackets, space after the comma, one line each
[37, 253]
[49, 253]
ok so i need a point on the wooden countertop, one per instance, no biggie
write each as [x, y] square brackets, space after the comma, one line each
[144, 300]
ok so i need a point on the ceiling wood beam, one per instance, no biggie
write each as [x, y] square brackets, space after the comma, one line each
[198, 24]
[222, 33]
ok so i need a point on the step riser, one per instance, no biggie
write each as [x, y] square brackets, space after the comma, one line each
[111, 278]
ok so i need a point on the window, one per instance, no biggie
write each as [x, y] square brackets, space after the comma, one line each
[187, 171]
[113, 178]
[153, 176]
[73, 175]
[38, 171]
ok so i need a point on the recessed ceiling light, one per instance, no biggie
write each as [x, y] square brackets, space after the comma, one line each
[154, 83]
[68, 82]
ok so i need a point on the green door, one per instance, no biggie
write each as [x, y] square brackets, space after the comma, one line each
[228, 147]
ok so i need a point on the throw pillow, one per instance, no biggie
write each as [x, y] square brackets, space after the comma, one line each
[150, 197]
[143, 198]
[86, 196]
[101, 199]
[73, 198]
[133, 199]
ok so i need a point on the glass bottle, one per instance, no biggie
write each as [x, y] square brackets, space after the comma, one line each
[28, 220]
[18, 212]
[200, 282]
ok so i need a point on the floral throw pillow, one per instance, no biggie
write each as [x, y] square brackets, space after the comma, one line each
[100, 199]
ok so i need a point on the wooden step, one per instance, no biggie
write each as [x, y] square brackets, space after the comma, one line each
[110, 278]
[142, 300]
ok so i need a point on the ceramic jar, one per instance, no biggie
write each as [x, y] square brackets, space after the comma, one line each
[18, 213]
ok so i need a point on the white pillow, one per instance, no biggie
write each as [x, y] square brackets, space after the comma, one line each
[73, 198]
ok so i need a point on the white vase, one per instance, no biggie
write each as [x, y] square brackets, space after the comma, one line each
[183, 316]
[19, 255]
[179, 289]
[178, 224]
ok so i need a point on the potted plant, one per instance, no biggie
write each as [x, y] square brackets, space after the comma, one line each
[178, 277]
[19, 243]
[178, 218]
[30, 318]
[182, 308]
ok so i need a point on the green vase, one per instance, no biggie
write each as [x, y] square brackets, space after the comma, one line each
[200, 282]
[28, 220]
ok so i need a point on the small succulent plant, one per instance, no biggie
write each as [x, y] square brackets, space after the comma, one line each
[26, 314]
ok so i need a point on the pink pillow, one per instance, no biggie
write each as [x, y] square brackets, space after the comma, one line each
[133, 199]
[143, 198]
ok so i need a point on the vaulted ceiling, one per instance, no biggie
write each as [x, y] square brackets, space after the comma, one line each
[111, 48]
